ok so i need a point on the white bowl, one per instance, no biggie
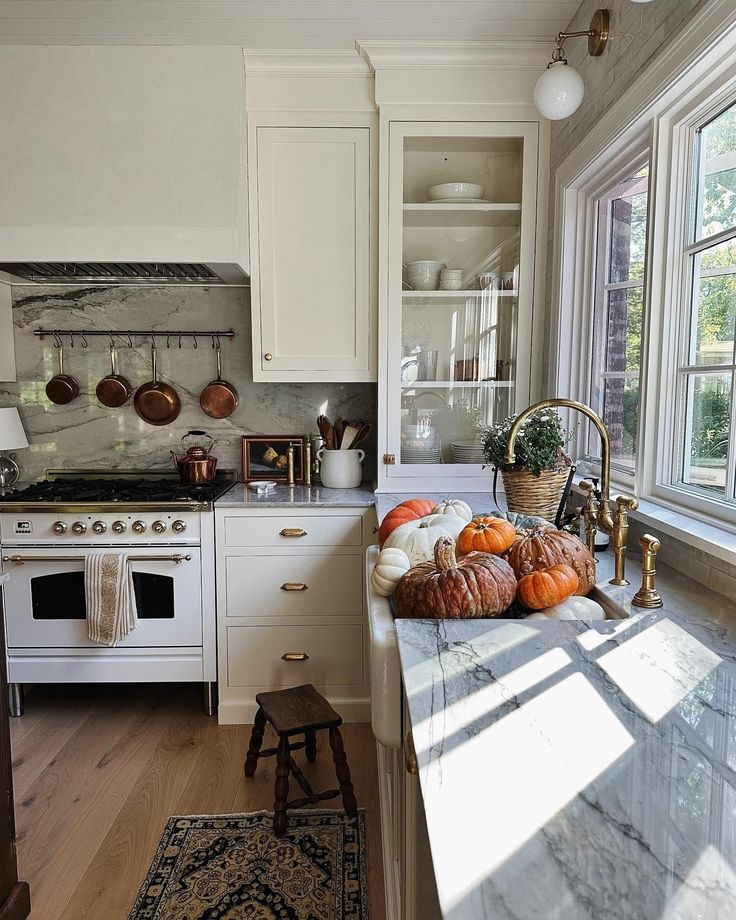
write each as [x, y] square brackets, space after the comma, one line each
[456, 190]
[451, 279]
[424, 265]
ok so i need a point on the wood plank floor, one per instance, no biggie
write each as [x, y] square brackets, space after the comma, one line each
[98, 770]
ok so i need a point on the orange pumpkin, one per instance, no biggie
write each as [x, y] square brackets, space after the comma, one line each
[410, 510]
[486, 535]
[540, 590]
[543, 546]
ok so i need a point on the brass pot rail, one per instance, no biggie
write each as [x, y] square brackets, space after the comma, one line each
[178, 558]
[130, 334]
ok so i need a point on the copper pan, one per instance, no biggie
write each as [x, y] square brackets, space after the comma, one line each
[113, 390]
[62, 388]
[155, 402]
[219, 399]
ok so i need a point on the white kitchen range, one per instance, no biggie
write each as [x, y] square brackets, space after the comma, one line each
[166, 530]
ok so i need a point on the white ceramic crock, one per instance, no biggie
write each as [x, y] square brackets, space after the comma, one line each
[340, 469]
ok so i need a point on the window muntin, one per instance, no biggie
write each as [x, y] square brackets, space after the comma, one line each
[620, 271]
[705, 455]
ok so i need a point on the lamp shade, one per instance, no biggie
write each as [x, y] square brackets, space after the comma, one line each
[12, 435]
[559, 91]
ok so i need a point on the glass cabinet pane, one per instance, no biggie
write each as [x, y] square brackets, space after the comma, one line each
[460, 238]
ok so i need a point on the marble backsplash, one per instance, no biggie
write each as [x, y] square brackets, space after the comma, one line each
[84, 434]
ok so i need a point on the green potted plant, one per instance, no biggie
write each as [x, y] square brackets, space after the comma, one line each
[535, 482]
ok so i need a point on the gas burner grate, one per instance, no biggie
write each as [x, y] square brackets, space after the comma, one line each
[84, 490]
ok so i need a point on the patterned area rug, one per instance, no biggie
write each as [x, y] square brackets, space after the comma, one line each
[231, 867]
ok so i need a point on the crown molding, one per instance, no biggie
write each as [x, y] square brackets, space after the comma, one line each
[481, 55]
[314, 63]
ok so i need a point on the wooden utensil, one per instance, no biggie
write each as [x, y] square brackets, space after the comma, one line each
[348, 437]
[155, 402]
[327, 432]
[339, 432]
[62, 388]
[219, 399]
[362, 434]
[113, 390]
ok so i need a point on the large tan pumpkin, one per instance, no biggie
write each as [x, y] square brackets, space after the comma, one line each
[478, 585]
[542, 547]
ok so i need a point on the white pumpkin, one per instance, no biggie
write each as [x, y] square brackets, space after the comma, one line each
[574, 608]
[390, 566]
[454, 506]
[417, 538]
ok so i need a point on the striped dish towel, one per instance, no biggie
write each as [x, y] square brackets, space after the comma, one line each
[110, 598]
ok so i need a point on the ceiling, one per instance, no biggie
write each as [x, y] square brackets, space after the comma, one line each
[278, 24]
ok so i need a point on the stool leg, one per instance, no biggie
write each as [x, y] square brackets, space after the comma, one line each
[256, 740]
[343, 773]
[282, 787]
[310, 745]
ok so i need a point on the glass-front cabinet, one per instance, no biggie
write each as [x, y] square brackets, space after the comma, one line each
[459, 295]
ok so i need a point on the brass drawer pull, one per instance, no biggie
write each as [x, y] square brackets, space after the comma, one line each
[292, 532]
[294, 656]
[294, 586]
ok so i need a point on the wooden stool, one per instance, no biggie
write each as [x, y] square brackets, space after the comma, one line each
[298, 711]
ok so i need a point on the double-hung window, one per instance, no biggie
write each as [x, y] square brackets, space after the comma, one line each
[618, 305]
[704, 458]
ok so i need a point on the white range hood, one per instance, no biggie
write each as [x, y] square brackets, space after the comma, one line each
[123, 163]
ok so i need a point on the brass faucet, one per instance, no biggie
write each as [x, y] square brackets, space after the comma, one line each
[598, 514]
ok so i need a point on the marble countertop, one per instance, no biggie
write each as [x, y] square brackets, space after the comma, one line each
[298, 497]
[580, 771]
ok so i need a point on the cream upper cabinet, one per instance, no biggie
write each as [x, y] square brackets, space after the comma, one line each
[311, 285]
[456, 349]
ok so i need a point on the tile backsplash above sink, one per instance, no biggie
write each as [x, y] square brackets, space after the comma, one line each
[85, 434]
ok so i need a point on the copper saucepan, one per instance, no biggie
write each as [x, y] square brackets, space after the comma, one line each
[155, 402]
[219, 399]
[113, 390]
[62, 388]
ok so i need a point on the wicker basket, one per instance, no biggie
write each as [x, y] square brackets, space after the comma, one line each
[535, 495]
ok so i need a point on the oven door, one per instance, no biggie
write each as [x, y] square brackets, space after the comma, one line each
[45, 605]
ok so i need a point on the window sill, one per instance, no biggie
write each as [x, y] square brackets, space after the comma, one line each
[715, 541]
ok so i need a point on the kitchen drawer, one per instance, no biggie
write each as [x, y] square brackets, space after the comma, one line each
[294, 530]
[256, 585]
[254, 655]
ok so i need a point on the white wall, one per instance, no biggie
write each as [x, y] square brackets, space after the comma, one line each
[148, 141]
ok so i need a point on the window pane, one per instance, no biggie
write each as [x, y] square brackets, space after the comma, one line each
[623, 333]
[717, 198]
[629, 232]
[714, 305]
[621, 415]
[708, 413]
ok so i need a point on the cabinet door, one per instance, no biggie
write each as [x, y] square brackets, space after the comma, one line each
[458, 348]
[312, 316]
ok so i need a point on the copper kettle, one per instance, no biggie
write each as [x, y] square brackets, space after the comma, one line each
[196, 465]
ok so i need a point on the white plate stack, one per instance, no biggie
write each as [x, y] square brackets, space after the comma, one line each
[467, 452]
[420, 451]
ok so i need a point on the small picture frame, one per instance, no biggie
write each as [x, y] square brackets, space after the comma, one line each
[264, 457]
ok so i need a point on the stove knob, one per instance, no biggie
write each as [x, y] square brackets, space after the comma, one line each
[178, 526]
[139, 526]
[99, 527]
[79, 528]
[118, 527]
[59, 527]
[158, 527]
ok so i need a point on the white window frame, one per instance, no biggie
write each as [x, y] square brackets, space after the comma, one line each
[600, 289]
[656, 116]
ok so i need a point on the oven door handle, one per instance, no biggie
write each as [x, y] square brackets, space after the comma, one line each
[178, 558]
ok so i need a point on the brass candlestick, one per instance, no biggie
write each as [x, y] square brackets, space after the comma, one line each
[308, 462]
[647, 596]
[290, 465]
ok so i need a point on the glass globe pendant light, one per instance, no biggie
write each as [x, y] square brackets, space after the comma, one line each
[560, 89]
